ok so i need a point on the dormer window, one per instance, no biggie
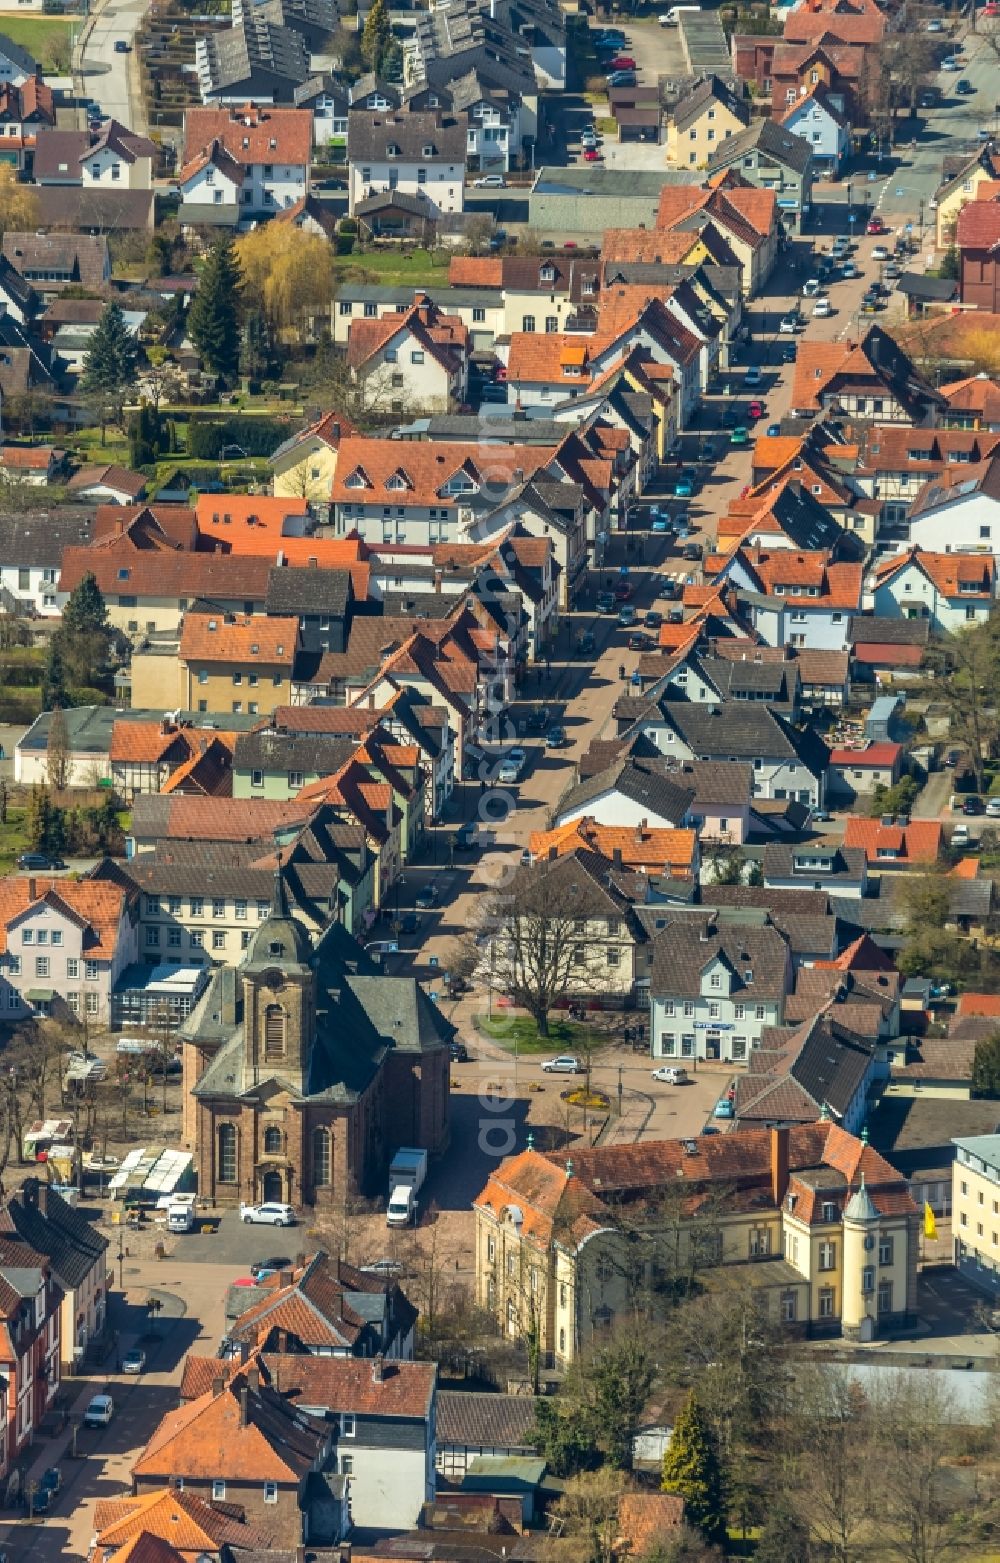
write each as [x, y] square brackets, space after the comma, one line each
[547, 273]
[392, 150]
[429, 152]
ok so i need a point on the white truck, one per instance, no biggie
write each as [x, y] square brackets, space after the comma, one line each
[672, 17]
[181, 1212]
[407, 1172]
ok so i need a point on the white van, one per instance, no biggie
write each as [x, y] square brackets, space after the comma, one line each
[670, 18]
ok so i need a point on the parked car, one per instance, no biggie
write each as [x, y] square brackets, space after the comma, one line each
[279, 1262]
[99, 1411]
[626, 616]
[773, 429]
[964, 88]
[973, 804]
[810, 288]
[723, 1108]
[556, 736]
[638, 641]
[848, 270]
[755, 410]
[788, 352]
[993, 808]
[605, 602]
[490, 182]
[51, 1480]
[822, 308]
[122, 46]
[621, 79]
[623, 62]
[660, 524]
[271, 1213]
[459, 1052]
[740, 435]
[790, 323]
[467, 836]
[39, 860]
[671, 1074]
[591, 155]
[565, 1064]
[426, 897]
[753, 376]
[134, 1361]
[876, 225]
[949, 63]
[880, 253]
[653, 620]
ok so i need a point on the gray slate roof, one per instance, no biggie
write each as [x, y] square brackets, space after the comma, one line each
[266, 751]
[369, 136]
[308, 592]
[641, 781]
[686, 946]
[481, 1421]
[770, 138]
[72, 1243]
[37, 537]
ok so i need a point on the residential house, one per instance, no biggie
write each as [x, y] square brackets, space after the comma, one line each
[746, 216]
[799, 599]
[242, 164]
[894, 464]
[470, 1424]
[798, 1207]
[201, 907]
[31, 548]
[714, 988]
[147, 588]
[818, 1069]
[796, 69]
[322, 1307]
[225, 659]
[328, 99]
[387, 490]
[107, 484]
[304, 465]
[872, 380]
[170, 755]
[773, 158]
[960, 186]
[787, 763]
[382, 1416]
[243, 1443]
[895, 846]
[167, 1515]
[952, 590]
[857, 773]
[30, 1343]
[33, 465]
[112, 158]
[957, 512]
[820, 865]
[16, 65]
[278, 765]
[39, 1219]
[895, 646]
[51, 262]
[417, 360]
[669, 854]
[977, 233]
[421, 156]
[631, 792]
[820, 119]
[973, 403]
[321, 601]
[975, 1219]
[24, 111]
[255, 61]
[708, 113]
[64, 942]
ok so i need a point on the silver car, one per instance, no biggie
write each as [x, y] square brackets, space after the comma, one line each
[565, 1064]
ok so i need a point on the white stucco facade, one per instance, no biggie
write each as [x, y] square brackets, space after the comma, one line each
[442, 185]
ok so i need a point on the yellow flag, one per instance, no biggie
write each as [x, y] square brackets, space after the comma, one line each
[930, 1225]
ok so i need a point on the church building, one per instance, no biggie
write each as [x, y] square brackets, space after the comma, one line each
[306, 1068]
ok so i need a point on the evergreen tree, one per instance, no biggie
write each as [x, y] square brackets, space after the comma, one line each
[84, 638]
[85, 611]
[376, 40]
[36, 824]
[255, 346]
[986, 1067]
[110, 362]
[213, 320]
[54, 692]
[691, 1469]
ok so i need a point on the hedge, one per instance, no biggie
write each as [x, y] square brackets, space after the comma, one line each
[208, 438]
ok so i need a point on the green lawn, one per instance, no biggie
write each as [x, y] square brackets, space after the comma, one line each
[43, 37]
[394, 268]
[12, 839]
[565, 1036]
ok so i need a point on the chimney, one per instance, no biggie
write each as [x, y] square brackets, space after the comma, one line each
[43, 1199]
[779, 1164]
[616, 857]
[218, 1385]
[244, 1351]
[32, 889]
[378, 1369]
[285, 1277]
[244, 1414]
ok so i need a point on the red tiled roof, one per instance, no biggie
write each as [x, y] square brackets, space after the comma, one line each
[985, 1004]
[424, 467]
[250, 134]
[98, 905]
[247, 639]
[230, 516]
[917, 842]
[978, 225]
[475, 271]
[882, 756]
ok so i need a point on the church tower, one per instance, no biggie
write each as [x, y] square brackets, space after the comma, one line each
[859, 1320]
[279, 998]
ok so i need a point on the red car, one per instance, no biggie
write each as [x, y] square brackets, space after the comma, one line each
[876, 225]
[622, 62]
[623, 591]
[756, 410]
[992, 9]
[591, 155]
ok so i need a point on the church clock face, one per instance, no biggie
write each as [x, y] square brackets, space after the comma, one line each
[274, 979]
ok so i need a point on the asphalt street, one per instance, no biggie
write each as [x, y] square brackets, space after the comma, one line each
[106, 72]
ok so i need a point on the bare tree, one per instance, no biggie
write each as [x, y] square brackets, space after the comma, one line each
[966, 668]
[838, 1483]
[540, 952]
[586, 1517]
[57, 751]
